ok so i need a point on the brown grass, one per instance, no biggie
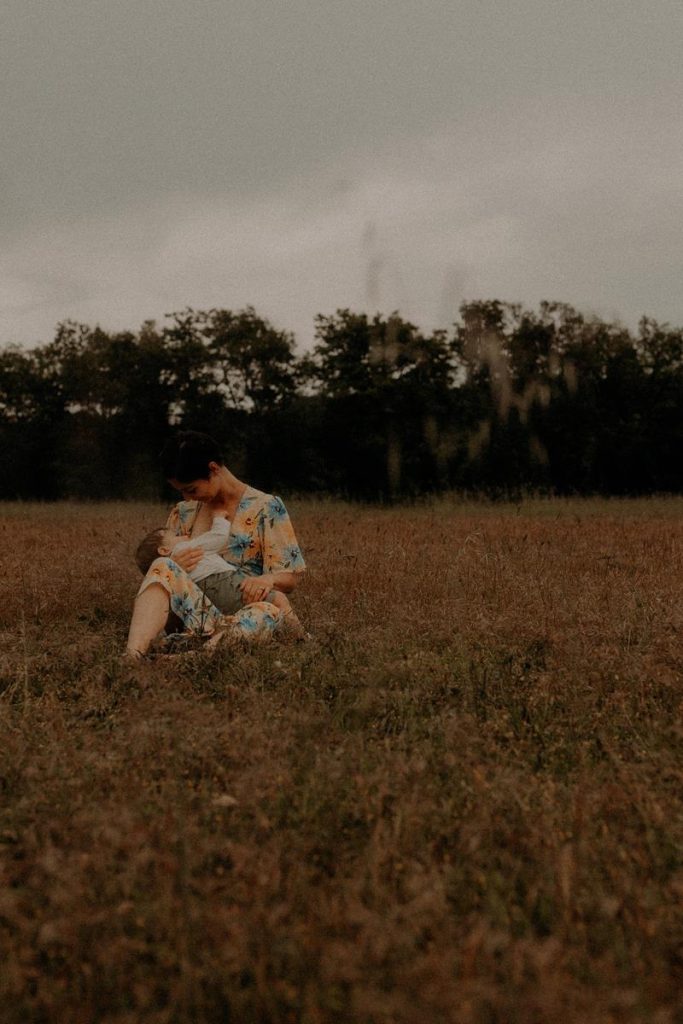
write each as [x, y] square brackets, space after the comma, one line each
[463, 804]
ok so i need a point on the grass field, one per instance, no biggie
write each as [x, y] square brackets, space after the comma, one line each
[462, 803]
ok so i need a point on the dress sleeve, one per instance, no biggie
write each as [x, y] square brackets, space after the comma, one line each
[173, 521]
[181, 518]
[281, 551]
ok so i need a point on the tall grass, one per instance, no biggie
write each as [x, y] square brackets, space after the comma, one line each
[463, 803]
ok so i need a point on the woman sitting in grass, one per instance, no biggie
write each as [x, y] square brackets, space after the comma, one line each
[261, 548]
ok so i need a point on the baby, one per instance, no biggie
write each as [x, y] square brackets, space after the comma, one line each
[216, 577]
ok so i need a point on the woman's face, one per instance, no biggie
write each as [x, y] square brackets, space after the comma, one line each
[198, 490]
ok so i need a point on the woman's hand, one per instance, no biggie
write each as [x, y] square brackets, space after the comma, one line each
[256, 588]
[188, 559]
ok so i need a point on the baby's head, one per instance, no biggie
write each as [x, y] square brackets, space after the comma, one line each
[158, 542]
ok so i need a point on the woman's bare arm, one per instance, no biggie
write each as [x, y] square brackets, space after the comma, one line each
[255, 588]
[285, 582]
[188, 559]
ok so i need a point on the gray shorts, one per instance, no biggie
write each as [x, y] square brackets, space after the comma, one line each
[223, 590]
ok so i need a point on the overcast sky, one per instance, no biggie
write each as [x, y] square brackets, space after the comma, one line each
[305, 155]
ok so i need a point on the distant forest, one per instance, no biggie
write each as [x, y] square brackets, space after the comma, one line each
[505, 401]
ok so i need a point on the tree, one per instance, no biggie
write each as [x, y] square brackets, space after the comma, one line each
[253, 362]
[511, 399]
[32, 414]
[385, 387]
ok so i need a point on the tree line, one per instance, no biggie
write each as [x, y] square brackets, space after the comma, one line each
[508, 399]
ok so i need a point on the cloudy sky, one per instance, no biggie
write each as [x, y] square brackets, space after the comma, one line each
[305, 155]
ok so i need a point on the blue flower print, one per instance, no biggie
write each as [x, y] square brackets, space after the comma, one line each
[187, 510]
[270, 621]
[245, 502]
[247, 622]
[238, 544]
[275, 511]
[164, 563]
[198, 616]
[184, 608]
[291, 556]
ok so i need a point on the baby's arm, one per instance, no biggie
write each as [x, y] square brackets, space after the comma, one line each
[215, 538]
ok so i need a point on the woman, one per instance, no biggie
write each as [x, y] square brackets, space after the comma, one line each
[262, 547]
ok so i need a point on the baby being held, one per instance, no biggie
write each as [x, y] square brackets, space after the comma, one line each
[213, 574]
[164, 542]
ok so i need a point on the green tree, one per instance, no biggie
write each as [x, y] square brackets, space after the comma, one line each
[386, 388]
[253, 362]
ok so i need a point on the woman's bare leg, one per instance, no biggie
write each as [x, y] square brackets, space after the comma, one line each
[150, 613]
[291, 625]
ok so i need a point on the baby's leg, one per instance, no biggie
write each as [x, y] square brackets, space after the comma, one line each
[291, 626]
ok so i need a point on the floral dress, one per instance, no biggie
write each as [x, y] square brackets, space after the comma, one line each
[261, 540]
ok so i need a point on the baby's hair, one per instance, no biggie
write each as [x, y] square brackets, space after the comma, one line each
[148, 549]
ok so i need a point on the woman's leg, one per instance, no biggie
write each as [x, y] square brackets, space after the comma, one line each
[257, 621]
[171, 588]
[150, 613]
[291, 624]
[184, 597]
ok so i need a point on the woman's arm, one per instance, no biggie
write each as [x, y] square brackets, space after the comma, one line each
[285, 582]
[254, 588]
[188, 559]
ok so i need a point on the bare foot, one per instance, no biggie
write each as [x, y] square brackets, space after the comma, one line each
[132, 657]
[225, 636]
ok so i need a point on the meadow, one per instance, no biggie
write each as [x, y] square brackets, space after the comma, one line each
[462, 803]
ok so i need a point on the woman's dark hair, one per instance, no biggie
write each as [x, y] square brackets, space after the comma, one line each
[186, 456]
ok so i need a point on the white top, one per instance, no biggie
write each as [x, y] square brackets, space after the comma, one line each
[211, 542]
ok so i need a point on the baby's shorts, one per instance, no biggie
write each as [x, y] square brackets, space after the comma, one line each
[223, 590]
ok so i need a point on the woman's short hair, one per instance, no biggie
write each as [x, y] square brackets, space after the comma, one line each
[186, 456]
[148, 549]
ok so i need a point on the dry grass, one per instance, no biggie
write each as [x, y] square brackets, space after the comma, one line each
[464, 804]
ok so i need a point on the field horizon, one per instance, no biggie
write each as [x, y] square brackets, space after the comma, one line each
[461, 804]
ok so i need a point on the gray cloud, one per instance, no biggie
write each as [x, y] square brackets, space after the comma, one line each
[310, 155]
